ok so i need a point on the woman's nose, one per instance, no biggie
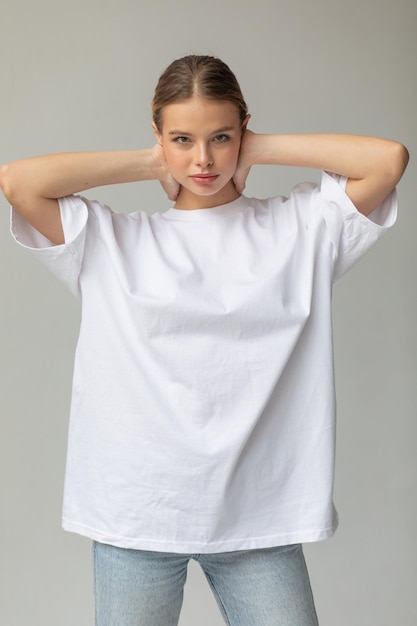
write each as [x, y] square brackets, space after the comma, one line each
[203, 156]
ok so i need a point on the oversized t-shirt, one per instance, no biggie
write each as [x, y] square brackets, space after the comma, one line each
[203, 408]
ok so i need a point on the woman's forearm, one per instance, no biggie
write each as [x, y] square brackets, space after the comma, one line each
[352, 156]
[58, 175]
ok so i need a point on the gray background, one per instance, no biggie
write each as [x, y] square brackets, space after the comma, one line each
[80, 75]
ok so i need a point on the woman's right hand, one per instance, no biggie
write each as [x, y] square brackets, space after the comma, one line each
[168, 182]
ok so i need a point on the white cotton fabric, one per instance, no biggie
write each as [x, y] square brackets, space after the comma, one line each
[203, 408]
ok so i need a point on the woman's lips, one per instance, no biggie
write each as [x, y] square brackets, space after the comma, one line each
[204, 179]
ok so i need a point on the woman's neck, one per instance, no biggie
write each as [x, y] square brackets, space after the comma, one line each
[187, 200]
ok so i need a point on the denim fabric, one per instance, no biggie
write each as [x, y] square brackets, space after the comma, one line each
[267, 587]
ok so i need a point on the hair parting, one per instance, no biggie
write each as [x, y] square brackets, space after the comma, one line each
[196, 75]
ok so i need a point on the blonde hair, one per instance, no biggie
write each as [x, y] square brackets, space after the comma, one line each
[196, 75]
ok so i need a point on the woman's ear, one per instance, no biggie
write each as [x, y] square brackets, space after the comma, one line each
[157, 133]
[245, 123]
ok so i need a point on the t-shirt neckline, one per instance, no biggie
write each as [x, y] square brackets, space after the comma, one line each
[205, 214]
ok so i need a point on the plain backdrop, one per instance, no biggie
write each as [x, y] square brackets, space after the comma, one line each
[80, 76]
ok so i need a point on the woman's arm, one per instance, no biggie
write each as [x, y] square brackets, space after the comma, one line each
[33, 186]
[373, 166]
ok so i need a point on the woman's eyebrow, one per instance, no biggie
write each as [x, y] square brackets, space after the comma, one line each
[223, 129]
[214, 132]
[178, 132]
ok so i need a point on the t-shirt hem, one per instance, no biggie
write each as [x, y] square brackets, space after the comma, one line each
[194, 547]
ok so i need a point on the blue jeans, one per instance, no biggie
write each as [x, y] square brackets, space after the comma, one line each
[268, 587]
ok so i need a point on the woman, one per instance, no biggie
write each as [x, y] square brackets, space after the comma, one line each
[202, 421]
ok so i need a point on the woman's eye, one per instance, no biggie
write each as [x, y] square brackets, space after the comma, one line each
[181, 140]
[221, 138]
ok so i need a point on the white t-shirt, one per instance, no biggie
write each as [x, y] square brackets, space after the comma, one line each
[203, 409]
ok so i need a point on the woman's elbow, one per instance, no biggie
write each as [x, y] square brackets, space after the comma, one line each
[397, 161]
[9, 183]
[15, 185]
[5, 181]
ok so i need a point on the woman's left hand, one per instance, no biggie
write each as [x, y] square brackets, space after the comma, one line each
[245, 160]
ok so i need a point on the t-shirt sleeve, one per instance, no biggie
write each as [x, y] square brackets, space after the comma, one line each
[350, 232]
[65, 260]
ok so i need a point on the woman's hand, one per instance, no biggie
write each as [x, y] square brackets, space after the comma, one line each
[168, 182]
[245, 161]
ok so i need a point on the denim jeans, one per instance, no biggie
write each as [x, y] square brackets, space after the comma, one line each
[267, 587]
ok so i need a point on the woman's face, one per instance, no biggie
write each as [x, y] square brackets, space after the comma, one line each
[201, 142]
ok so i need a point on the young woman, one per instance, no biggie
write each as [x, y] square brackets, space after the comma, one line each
[202, 421]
